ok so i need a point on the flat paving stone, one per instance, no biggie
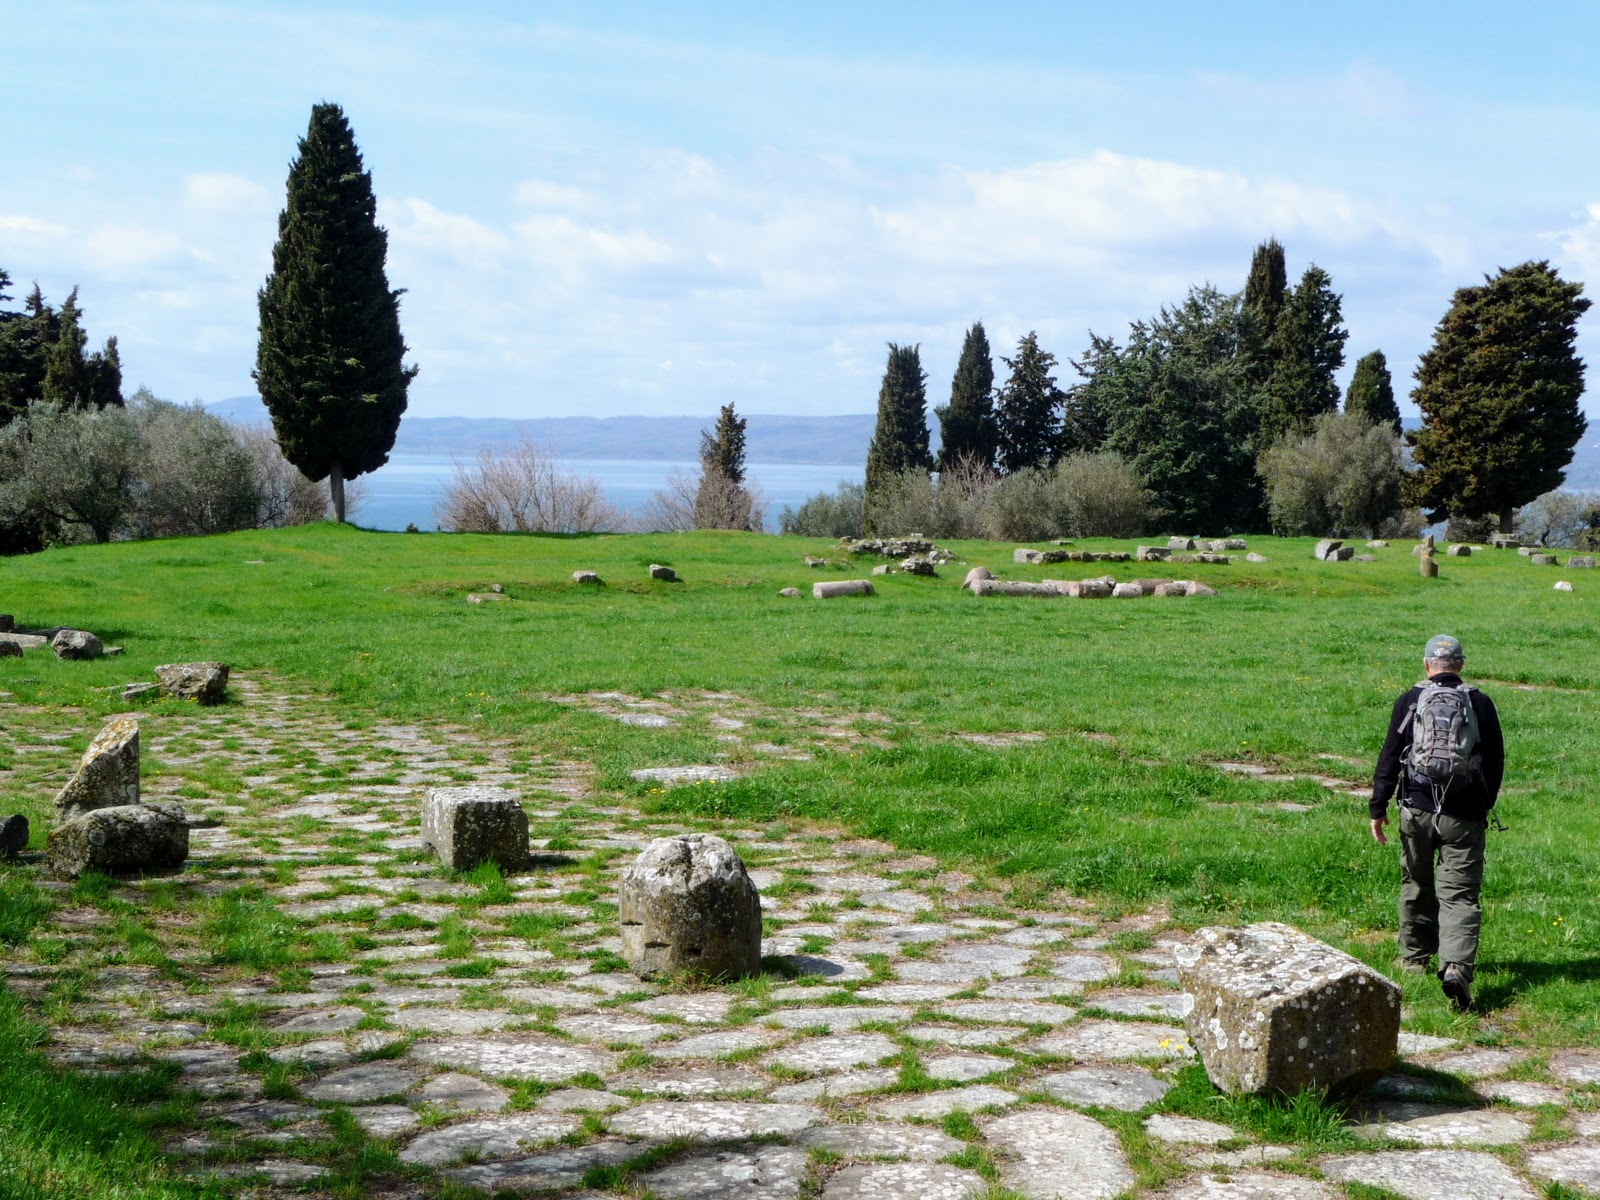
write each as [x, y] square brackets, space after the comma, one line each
[455, 1092]
[529, 1056]
[714, 1120]
[330, 1020]
[1126, 1089]
[904, 1181]
[989, 958]
[606, 1028]
[1411, 1044]
[385, 1120]
[266, 1114]
[716, 1045]
[1436, 1125]
[833, 1087]
[1253, 1185]
[908, 993]
[1234, 1160]
[1058, 1156]
[694, 1008]
[1009, 1012]
[488, 1137]
[929, 971]
[836, 1018]
[964, 1035]
[551, 997]
[692, 1082]
[1175, 1005]
[1576, 1166]
[362, 1083]
[1478, 1063]
[836, 1052]
[773, 1172]
[965, 1068]
[559, 1168]
[883, 1139]
[1028, 987]
[1083, 968]
[319, 1055]
[451, 1020]
[1110, 1041]
[933, 1105]
[284, 1172]
[1165, 1127]
[1576, 1066]
[1431, 1174]
[1529, 1095]
[576, 1099]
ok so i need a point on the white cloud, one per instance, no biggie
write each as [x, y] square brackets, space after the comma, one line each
[217, 192]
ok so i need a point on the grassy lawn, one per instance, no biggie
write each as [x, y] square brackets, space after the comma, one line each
[1292, 666]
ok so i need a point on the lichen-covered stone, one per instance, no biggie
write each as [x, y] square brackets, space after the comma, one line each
[1428, 567]
[1180, 543]
[203, 682]
[687, 904]
[841, 587]
[77, 644]
[127, 837]
[108, 776]
[1012, 587]
[1278, 1011]
[466, 826]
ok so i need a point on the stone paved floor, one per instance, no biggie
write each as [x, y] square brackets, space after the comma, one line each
[314, 978]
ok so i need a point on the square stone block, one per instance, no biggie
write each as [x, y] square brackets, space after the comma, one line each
[466, 826]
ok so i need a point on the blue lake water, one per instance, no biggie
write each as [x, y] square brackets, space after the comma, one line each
[406, 490]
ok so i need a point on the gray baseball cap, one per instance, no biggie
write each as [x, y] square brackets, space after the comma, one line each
[1443, 646]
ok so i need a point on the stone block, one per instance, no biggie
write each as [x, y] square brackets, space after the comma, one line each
[1226, 544]
[1459, 552]
[466, 826]
[1581, 562]
[1024, 555]
[917, 565]
[76, 645]
[687, 904]
[1428, 566]
[108, 775]
[1324, 550]
[127, 837]
[1094, 589]
[883, 569]
[842, 587]
[976, 574]
[789, 592]
[1181, 543]
[1277, 1011]
[1192, 588]
[1151, 554]
[1255, 558]
[586, 577]
[1377, 544]
[7, 623]
[1562, 585]
[1342, 554]
[1127, 591]
[665, 574]
[1013, 587]
[1543, 560]
[203, 682]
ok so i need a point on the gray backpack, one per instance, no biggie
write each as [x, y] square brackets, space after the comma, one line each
[1444, 734]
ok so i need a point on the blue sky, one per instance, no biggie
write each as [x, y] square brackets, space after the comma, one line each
[631, 208]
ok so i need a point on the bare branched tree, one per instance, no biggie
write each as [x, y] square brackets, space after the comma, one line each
[284, 496]
[524, 490]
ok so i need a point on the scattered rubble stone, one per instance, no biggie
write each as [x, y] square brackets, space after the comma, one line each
[205, 683]
[77, 645]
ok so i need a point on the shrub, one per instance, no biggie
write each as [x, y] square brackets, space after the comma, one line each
[1558, 519]
[703, 499]
[1026, 506]
[1343, 476]
[949, 505]
[523, 490]
[1104, 496]
[197, 477]
[827, 514]
[74, 467]
[1470, 529]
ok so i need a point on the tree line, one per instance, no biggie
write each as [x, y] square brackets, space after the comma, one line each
[1225, 408]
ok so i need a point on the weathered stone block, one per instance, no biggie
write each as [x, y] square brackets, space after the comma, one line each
[1194, 588]
[665, 574]
[108, 775]
[1127, 591]
[1012, 587]
[883, 569]
[127, 837]
[917, 565]
[842, 587]
[1377, 544]
[1180, 543]
[976, 574]
[1459, 552]
[77, 644]
[1225, 544]
[202, 682]
[1151, 554]
[1542, 560]
[7, 622]
[1324, 550]
[1581, 562]
[1278, 1011]
[1562, 585]
[1428, 566]
[466, 826]
[687, 904]
[789, 592]
[586, 577]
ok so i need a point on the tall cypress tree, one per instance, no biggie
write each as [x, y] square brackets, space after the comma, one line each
[1307, 349]
[329, 362]
[1371, 392]
[722, 448]
[967, 429]
[1028, 413]
[1499, 391]
[900, 441]
[66, 377]
[1267, 285]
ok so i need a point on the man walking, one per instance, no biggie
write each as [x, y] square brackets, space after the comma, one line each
[1446, 756]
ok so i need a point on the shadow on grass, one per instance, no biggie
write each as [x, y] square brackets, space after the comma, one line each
[1509, 980]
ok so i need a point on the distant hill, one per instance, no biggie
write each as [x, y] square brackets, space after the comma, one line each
[769, 439]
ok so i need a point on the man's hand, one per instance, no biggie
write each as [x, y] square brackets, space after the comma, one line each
[1377, 831]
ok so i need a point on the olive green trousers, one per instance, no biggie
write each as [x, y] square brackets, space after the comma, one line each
[1441, 874]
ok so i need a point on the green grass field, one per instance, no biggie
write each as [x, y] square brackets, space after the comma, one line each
[1113, 794]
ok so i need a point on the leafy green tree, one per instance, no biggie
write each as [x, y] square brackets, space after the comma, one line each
[1342, 477]
[1307, 350]
[1371, 392]
[71, 466]
[900, 440]
[1028, 415]
[1499, 391]
[329, 363]
[722, 448]
[967, 429]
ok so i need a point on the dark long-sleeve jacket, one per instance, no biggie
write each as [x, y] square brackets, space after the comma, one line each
[1469, 799]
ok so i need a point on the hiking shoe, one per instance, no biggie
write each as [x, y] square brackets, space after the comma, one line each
[1412, 966]
[1457, 989]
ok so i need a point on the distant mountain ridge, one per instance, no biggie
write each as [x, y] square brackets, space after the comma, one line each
[827, 440]
[770, 438]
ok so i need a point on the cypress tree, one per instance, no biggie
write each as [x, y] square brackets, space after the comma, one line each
[1371, 392]
[1499, 391]
[329, 362]
[1028, 414]
[722, 449]
[1266, 286]
[66, 376]
[967, 430]
[900, 441]
[1307, 349]
[103, 371]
